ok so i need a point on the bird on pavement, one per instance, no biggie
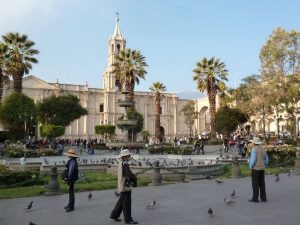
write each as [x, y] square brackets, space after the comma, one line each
[233, 194]
[277, 179]
[210, 212]
[219, 181]
[228, 201]
[90, 196]
[151, 205]
[31, 223]
[29, 206]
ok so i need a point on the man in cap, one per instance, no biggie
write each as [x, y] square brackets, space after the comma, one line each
[257, 163]
[126, 180]
[71, 176]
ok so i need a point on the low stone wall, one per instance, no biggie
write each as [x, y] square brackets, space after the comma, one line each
[175, 173]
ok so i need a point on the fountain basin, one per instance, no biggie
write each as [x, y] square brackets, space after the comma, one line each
[126, 103]
[126, 144]
[126, 122]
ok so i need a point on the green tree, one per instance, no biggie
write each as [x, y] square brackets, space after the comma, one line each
[135, 129]
[145, 135]
[3, 61]
[17, 114]
[60, 110]
[105, 130]
[190, 114]
[280, 66]
[52, 131]
[209, 75]
[227, 119]
[21, 57]
[157, 88]
[129, 68]
[280, 55]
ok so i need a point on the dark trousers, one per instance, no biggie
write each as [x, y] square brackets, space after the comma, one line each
[71, 196]
[258, 185]
[123, 204]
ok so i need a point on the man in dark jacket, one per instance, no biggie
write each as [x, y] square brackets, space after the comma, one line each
[71, 177]
[126, 180]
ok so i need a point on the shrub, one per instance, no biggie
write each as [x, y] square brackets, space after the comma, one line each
[290, 142]
[52, 131]
[170, 150]
[213, 142]
[101, 146]
[19, 178]
[18, 152]
[281, 154]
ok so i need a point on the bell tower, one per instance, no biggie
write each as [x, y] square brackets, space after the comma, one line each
[116, 44]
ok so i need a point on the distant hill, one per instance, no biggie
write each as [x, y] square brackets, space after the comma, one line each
[189, 94]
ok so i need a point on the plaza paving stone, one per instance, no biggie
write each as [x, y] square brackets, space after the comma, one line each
[177, 204]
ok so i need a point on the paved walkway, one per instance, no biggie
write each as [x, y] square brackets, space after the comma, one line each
[178, 204]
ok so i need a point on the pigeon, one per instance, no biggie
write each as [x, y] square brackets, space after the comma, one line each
[117, 194]
[90, 196]
[31, 223]
[46, 161]
[29, 206]
[276, 175]
[277, 179]
[228, 201]
[210, 212]
[232, 194]
[219, 181]
[151, 205]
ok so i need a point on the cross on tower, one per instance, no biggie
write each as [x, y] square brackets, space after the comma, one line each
[117, 13]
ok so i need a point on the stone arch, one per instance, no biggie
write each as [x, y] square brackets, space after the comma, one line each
[162, 133]
[204, 119]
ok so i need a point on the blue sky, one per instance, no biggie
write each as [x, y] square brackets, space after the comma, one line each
[72, 35]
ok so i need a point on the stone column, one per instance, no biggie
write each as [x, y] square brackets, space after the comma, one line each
[157, 178]
[52, 188]
[235, 170]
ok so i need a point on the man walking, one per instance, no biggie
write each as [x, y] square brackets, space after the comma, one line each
[126, 180]
[258, 161]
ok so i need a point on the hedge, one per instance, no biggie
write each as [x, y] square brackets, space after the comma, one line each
[101, 146]
[282, 154]
[18, 152]
[18, 178]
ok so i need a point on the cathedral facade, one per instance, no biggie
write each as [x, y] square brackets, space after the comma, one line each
[101, 103]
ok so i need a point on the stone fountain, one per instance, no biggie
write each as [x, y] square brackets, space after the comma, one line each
[126, 123]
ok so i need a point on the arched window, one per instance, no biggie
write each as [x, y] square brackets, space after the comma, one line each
[112, 48]
[118, 48]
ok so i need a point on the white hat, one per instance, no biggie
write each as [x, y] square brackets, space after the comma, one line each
[124, 152]
[256, 141]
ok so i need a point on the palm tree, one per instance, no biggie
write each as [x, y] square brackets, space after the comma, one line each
[21, 57]
[129, 68]
[210, 74]
[3, 62]
[157, 88]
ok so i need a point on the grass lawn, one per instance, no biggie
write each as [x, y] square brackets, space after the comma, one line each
[245, 171]
[88, 182]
